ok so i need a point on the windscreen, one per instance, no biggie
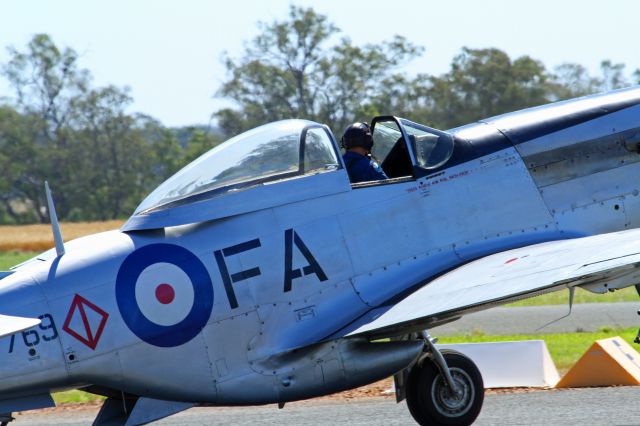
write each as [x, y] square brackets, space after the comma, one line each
[274, 151]
[432, 147]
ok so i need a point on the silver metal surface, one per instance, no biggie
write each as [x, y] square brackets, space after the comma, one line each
[248, 297]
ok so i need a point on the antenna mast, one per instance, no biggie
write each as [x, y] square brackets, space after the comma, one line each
[55, 226]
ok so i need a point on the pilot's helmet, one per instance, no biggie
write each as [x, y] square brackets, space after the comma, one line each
[357, 134]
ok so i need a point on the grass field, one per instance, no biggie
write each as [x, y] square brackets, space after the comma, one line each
[76, 396]
[12, 258]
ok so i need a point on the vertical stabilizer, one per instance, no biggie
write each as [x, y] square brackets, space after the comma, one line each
[55, 226]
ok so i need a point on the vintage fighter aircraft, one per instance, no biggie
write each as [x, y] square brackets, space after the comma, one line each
[259, 274]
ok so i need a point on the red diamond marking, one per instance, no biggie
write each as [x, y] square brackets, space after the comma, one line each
[81, 305]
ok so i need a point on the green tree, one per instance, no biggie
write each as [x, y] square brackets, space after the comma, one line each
[198, 142]
[487, 82]
[613, 76]
[100, 159]
[482, 83]
[572, 80]
[289, 72]
[20, 162]
[46, 82]
[124, 156]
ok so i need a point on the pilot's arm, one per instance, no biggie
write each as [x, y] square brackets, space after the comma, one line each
[375, 172]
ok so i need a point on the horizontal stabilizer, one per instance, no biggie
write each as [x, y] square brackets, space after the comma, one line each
[149, 410]
[26, 403]
[11, 325]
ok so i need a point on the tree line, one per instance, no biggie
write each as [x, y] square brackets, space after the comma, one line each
[302, 67]
[102, 159]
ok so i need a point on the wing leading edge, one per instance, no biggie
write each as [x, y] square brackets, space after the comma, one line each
[597, 263]
[11, 325]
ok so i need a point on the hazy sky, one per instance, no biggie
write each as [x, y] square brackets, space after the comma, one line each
[168, 52]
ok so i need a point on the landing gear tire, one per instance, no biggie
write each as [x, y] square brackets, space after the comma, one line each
[432, 402]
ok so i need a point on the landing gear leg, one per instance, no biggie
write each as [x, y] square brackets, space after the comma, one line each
[444, 387]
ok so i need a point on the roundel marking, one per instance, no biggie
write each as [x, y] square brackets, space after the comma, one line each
[164, 294]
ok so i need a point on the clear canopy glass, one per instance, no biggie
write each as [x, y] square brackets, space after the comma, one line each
[274, 151]
[432, 147]
[385, 136]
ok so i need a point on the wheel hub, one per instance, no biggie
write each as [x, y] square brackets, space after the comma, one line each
[450, 403]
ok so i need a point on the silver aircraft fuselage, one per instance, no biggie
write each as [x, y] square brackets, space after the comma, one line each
[280, 273]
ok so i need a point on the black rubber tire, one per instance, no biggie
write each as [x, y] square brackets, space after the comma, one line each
[429, 400]
[412, 391]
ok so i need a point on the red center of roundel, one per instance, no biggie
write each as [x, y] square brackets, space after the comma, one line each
[165, 294]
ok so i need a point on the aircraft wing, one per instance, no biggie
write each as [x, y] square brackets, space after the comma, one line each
[598, 263]
[11, 325]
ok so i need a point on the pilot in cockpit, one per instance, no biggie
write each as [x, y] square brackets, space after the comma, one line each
[357, 143]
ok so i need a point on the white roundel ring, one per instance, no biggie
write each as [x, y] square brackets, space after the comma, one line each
[164, 294]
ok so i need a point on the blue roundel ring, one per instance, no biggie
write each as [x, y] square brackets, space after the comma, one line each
[150, 332]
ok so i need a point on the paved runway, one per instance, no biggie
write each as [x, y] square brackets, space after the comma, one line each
[521, 320]
[594, 406]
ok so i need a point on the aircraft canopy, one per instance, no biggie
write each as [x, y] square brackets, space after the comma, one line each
[275, 151]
